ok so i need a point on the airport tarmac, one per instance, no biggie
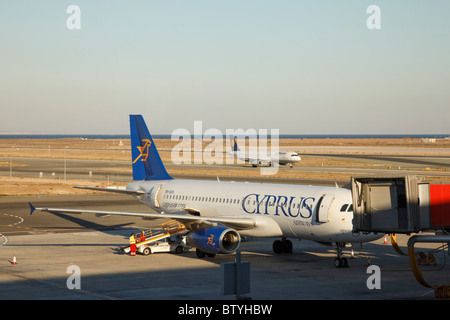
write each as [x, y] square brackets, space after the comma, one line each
[47, 245]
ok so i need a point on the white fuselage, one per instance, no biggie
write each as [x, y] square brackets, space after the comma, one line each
[253, 157]
[316, 213]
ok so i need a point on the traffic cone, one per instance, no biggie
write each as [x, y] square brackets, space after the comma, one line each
[353, 255]
[385, 239]
[14, 260]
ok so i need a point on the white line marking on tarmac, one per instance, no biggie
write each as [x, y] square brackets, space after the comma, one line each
[5, 238]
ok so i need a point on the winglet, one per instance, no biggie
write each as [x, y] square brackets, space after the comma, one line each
[32, 208]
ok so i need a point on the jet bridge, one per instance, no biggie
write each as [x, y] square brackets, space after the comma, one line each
[399, 205]
[404, 205]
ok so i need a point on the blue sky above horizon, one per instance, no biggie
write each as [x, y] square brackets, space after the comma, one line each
[304, 67]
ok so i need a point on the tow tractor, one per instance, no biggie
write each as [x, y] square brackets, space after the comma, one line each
[169, 239]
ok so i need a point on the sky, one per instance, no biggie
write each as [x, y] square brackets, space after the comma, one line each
[303, 67]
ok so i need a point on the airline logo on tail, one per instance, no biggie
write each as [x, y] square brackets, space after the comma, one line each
[235, 145]
[143, 150]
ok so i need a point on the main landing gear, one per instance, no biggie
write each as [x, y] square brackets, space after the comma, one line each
[340, 262]
[285, 246]
[282, 246]
[201, 254]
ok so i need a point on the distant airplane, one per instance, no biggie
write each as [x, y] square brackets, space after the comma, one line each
[257, 158]
[218, 213]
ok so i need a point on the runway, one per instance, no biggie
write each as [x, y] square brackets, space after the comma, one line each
[120, 171]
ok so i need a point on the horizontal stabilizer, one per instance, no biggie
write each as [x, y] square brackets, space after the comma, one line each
[113, 190]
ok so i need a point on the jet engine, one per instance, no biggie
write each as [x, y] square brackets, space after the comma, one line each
[215, 240]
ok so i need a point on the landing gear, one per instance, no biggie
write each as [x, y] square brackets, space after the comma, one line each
[201, 254]
[340, 262]
[282, 246]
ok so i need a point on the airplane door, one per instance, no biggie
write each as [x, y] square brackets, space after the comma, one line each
[154, 196]
[323, 208]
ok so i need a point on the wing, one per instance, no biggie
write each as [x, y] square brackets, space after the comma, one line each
[190, 221]
[113, 190]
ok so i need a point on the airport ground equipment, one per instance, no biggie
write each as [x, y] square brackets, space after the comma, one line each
[405, 205]
[178, 245]
[168, 229]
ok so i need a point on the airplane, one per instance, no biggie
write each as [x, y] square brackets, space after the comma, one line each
[217, 213]
[257, 158]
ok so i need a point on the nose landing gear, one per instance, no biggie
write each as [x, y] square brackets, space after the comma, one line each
[340, 262]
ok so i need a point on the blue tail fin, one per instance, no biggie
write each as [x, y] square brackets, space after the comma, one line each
[147, 164]
[235, 145]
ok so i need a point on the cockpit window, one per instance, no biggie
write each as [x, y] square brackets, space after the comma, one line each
[344, 207]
